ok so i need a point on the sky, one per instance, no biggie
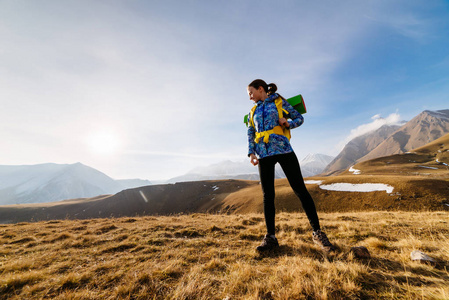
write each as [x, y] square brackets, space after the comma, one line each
[152, 89]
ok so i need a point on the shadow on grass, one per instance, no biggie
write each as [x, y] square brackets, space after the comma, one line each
[378, 279]
[302, 251]
[283, 250]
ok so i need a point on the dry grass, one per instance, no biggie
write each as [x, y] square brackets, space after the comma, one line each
[205, 256]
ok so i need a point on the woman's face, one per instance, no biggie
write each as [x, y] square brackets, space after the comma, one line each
[256, 95]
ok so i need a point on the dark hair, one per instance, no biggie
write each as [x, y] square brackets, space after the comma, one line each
[268, 88]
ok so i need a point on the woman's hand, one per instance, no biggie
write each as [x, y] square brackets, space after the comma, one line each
[254, 159]
[284, 122]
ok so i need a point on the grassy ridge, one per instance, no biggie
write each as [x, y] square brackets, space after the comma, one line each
[203, 256]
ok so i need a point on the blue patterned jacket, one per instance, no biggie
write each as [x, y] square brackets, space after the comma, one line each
[265, 118]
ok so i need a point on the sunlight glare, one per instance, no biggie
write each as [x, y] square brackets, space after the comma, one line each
[103, 142]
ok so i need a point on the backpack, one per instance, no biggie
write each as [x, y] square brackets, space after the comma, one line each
[297, 102]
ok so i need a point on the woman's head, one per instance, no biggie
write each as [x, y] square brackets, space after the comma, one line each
[259, 90]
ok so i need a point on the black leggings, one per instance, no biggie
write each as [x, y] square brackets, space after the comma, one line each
[290, 166]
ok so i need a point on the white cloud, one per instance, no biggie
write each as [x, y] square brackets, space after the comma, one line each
[165, 79]
[376, 123]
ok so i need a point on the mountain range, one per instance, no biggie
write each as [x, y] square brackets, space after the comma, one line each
[392, 139]
[54, 182]
[416, 181]
[311, 165]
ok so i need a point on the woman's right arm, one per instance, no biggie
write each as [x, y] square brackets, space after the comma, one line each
[252, 145]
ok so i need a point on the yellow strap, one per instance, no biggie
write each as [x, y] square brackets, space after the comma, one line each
[278, 103]
[276, 130]
[266, 134]
[251, 115]
[281, 110]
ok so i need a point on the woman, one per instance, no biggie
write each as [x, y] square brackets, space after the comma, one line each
[276, 148]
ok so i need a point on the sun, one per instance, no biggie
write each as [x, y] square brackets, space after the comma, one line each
[103, 142]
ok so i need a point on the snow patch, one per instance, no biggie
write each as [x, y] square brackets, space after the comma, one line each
[215, 187]
[442, 163]
[313, 181]
[362, 187]
[354, 171]
[433, 168]
[143, 196]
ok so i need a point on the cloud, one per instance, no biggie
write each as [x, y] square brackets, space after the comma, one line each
[169, 80]
[376, 123]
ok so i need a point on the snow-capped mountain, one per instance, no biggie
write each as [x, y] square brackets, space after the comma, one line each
[311, 165]
[314, 164]
[223, 170]
[133, 183]
[53, 182]
[226, 168]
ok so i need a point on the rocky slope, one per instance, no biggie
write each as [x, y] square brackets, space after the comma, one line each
[359, 147]
[389, 140]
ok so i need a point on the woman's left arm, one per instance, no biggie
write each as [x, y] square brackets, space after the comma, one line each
[296, 118]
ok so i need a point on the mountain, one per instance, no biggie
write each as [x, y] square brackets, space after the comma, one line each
[359, 147]
[388, 140]
[422, 129]
[222, 170]
[54, 182]
[311, 165]
[314, 164]
[418, 181]
[132, 183]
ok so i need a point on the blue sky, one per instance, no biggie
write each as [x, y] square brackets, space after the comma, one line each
[151, 89]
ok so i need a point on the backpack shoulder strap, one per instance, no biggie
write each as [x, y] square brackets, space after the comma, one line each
[281, 112]
[251, 115]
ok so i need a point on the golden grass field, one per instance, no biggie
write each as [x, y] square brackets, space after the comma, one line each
[206, 256]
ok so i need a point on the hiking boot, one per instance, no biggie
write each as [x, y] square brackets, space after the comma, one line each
[269, 243]
[320, 238]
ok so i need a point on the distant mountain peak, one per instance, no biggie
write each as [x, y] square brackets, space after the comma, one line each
[49, 182]
[316, 157]
[311, 165]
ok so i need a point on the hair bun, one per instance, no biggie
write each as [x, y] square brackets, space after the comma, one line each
[272, 88]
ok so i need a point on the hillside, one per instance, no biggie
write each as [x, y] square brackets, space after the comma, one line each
[203, 256]
[359, 147]
[421, 130]
[419, 181]
[389, 140]
[183, 197]
[430, 161]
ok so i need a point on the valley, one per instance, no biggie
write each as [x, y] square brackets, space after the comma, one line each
[420, 182]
